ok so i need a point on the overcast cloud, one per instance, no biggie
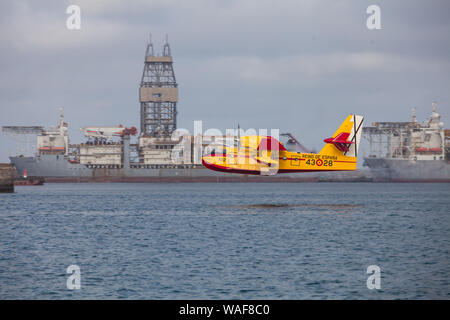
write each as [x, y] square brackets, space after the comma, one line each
[301, 66]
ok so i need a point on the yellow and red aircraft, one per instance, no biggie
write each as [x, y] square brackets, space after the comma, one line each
[265, 155]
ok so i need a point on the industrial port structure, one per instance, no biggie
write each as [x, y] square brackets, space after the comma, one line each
[158, 93]
[415, 152]
[6, 178]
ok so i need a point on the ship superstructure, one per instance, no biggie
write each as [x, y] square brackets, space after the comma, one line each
[409, 151]
[55, 140]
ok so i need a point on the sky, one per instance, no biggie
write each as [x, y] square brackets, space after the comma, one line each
[297, 66]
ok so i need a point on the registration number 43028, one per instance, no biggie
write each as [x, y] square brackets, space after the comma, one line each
[319, 162]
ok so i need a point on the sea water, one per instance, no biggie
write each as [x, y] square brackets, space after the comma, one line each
[226, 241]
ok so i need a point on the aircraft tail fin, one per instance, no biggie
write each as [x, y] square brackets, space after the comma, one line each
[345, 141]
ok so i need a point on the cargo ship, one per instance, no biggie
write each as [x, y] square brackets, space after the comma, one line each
[108, 155]
[409, 151]
[157, 153]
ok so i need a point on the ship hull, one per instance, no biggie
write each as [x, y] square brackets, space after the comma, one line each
[56, 168]
[405, 170]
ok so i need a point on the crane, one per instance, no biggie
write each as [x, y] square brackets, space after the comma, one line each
[107, 133]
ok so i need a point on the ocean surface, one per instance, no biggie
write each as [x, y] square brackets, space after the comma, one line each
[226, 241]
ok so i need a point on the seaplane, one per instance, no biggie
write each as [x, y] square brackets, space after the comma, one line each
[265, 155]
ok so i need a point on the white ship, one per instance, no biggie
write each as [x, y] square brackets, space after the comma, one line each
[409, 151]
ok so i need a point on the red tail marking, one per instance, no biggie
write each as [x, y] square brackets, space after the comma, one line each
[340, 141]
